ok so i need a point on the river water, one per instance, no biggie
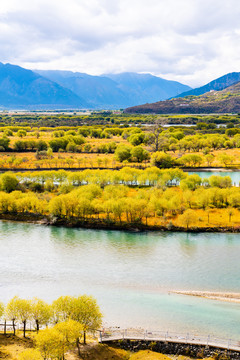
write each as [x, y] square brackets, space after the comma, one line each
[130, 274]
[234, 175]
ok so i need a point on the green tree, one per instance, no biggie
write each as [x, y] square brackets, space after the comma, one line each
[209, 158]
[21, 133]
[140, 154]
[49, 153]
[41, 145]
[220, 181]
[19, 145]
[58, 143]
[123, 153]
[155, 138]
[136, 139]
[162, 160]
[192, 182]
[191, 160]
[226, 159]
[8, 132]
[8, 182]
[4, 143]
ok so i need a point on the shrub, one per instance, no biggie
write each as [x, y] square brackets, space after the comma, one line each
[123, 153]
[163, 160]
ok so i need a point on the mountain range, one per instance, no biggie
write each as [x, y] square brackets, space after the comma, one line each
[114, 91]
[25, 89]
[223, 101]
[21, 88]
[217, 84]
[56, 89]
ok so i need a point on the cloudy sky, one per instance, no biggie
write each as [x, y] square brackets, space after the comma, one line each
[192, 41]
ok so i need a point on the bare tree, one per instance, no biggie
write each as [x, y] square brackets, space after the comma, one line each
[156, 139]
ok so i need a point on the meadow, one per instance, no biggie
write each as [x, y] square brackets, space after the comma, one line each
[119, 171]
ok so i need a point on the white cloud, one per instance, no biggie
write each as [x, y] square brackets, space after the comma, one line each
[192, 41]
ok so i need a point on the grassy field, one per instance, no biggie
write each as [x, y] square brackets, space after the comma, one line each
[11, 347]
[92, 157]
[27, 160]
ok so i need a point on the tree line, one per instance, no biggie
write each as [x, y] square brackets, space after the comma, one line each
[129, 196]
[65, 181]
[66, 321]
[156, 136]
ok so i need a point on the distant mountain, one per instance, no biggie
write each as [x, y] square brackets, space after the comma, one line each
[115, 91]
[217, 84]
[224, 101]
[21, 88]
[146, 87]
[100, 92]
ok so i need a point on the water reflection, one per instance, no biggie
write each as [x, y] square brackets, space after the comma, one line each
[234, 175]
[188, 245]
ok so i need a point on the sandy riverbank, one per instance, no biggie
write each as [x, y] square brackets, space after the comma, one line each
[220, 296]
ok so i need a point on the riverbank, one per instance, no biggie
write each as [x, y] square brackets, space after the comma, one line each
[100, 224]
[220, 296]
[12, 346]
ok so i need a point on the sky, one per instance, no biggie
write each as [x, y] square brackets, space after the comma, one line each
[191, 41]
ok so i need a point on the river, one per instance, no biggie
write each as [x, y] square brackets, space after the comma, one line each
[130, 274]
[234, 175]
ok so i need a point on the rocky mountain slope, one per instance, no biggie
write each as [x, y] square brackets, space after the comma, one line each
[218, 84]
[224, 101]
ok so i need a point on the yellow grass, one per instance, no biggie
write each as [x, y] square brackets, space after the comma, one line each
[62, 160]
[149, 355]
[217, 218]
[104, 352]
[11, 347]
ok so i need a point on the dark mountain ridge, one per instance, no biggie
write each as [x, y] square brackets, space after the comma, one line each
[223, 101]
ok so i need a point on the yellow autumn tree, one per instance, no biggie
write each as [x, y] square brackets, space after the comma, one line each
[187, 218]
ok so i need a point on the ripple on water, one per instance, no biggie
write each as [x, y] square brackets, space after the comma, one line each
[130, 274]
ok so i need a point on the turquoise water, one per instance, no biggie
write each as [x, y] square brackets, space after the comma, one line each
[234, 175]
[130, 274]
